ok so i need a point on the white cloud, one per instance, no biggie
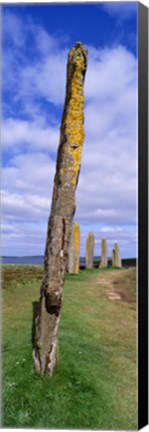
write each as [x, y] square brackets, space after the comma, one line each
[115, 71]
[45, 79]
[32, 173]
[32, 237]
[122, 10]
[26, 207]
[13, 28]
[38, 68]
[18, 133]
[106, 193]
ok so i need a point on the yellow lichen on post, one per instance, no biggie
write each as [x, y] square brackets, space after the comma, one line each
[74, 249]
[74, 120]
[77, 246]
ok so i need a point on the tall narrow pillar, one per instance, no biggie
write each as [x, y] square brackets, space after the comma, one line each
[74, 249]
[104, 254]
[62, 212]
[89, 250]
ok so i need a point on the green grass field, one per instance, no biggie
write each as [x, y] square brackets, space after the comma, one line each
[95, 382]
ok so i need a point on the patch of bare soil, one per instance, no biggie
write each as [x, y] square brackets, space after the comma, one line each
[103, 281]
[126, 286]
[120, 285]
[114, 296]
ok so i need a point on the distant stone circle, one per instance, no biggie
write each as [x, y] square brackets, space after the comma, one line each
[74, 251]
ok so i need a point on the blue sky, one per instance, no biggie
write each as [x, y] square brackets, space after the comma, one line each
[35, 44]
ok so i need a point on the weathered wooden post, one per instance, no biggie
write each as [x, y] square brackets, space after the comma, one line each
[62, 212]
[104, 254]
[74, 249]
[89, 250]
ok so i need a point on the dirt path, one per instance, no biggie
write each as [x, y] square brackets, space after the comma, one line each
[113, 281]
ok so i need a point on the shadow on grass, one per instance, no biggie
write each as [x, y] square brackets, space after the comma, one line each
[35, 314]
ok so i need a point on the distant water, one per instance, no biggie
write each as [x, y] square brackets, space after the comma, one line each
[32, 260]
[38, 260]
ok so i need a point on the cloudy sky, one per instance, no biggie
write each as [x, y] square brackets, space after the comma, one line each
[35, 44]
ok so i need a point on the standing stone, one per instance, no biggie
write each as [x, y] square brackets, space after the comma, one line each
[117, 259]
[113, 258]
[104, 254]
[89, 250]
[74, 249]
[45, 334]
